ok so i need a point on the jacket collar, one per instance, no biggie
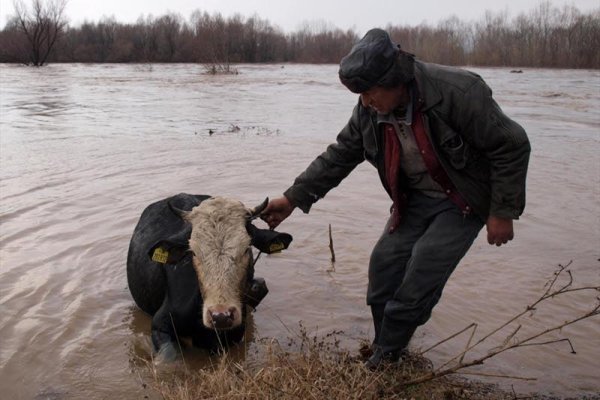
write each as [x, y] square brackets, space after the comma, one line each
[427, 94]
[406, 119]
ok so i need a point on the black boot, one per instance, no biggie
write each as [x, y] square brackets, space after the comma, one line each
[380, 360]
[392, 341]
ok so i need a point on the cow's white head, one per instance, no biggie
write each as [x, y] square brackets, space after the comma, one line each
[221, 246]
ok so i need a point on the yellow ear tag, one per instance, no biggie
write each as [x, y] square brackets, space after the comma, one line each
[160, 255]
[276, 247]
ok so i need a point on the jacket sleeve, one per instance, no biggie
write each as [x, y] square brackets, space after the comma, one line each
[330, 168]
[503, 142]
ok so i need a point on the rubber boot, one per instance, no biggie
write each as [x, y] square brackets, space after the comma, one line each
[392, 341]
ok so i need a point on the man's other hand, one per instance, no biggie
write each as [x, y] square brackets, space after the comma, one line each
[499, 230]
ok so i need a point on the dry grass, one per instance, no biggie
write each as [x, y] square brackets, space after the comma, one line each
[310, 368]
[313, 367]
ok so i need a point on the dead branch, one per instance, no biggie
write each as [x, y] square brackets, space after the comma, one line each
[468, 343]
[552, 341]
[499, 376]
[331, 246]
[473, 325]
[457, 363]
[548, 294]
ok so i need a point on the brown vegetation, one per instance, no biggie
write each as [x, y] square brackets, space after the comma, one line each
[545, 37]
[309, 367]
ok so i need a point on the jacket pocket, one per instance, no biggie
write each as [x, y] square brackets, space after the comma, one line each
[455, 149]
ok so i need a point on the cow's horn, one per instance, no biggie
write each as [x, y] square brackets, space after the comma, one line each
[258, 209]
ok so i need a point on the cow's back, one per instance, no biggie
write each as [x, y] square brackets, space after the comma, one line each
[146, 278]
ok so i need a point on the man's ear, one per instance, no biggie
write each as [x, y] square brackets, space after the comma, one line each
[268, 241]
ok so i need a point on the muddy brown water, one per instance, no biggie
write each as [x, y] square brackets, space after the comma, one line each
[84, 148]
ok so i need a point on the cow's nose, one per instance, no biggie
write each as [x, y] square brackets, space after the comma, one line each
[222, 320]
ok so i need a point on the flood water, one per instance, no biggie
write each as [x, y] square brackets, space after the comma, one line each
[85, 148]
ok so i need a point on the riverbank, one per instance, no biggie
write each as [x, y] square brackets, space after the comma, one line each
[313, 368]
[310, 369]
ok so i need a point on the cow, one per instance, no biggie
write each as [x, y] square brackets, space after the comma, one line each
[190, 266]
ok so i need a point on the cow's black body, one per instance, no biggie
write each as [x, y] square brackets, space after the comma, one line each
[146, 278]
[170, 292]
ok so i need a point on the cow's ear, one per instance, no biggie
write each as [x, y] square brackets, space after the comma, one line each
[268, 241]
[179, 212]
[182, 203]
[167, 252]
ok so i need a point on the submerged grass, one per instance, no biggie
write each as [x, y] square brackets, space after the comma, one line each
[309, 367]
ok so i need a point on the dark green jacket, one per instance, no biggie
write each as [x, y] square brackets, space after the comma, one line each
[484, 152]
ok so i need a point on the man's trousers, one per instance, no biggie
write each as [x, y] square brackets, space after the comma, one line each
[409, 268]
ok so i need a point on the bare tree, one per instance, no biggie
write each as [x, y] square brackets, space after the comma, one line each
[546, 36]
[168, 28]
[42, 25]
[13, 44]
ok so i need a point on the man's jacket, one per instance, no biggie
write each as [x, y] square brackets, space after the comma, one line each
[484, 153]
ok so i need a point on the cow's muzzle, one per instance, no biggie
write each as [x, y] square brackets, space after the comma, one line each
[221, 318]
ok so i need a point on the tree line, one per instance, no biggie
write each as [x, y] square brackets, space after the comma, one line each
[546, 36]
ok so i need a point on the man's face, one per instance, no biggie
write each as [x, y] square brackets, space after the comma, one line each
[384, 100]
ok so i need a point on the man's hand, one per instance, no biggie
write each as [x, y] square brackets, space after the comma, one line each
[500, 230]
[277, 210]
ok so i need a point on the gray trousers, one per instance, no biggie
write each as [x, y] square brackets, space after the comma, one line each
[409, 268]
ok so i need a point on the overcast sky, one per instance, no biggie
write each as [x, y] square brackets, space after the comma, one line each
[289, 15]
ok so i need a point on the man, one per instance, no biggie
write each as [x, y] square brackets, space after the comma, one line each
[450, 160]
